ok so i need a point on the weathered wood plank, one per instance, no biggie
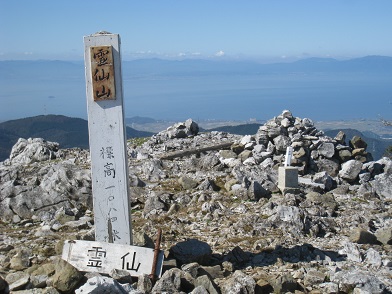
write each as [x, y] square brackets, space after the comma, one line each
[182, 153]
[90, 256]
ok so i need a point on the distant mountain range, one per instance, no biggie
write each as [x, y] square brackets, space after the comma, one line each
[68, 132]
[159, 67]
[368, 64]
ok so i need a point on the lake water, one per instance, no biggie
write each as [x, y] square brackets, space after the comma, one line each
[226, 97]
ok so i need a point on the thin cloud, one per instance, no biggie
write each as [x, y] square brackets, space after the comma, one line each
[220, 53]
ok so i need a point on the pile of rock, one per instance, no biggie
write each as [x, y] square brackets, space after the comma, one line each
[227, 228]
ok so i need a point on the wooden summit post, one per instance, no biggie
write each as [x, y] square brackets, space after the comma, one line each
[109, 171]
[107, 138]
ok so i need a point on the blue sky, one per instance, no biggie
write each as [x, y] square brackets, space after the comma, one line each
[253, 29]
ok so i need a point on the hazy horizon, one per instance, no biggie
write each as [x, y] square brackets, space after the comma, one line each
[202, 90]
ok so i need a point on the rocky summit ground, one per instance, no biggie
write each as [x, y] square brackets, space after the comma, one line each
[228, 227]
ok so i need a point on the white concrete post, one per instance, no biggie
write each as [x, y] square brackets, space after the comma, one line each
[289, 154]
[107, 138]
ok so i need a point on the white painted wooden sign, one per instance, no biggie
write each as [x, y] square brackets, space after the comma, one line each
[90, 256]
[107, 138]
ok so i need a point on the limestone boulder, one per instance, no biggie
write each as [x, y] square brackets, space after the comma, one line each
[362, 236]
[99, 284]
[330, 166]
[358, 282]
[350, 170]
[66, 277]
[327, 149]
[239, 283]
[31, 150]
[383, 185]
[357, 143]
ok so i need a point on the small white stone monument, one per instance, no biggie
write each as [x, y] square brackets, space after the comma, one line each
[288, 175]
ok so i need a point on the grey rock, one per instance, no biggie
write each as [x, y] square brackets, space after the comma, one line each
[64, 215]
[284, 284]
[237, 256]
[247, 139]
[352, 251]
[191, 268]
[21, 259]
[384, 235]
[227, 154]
[344, 155]
[179, 130]
[239, 283]
[141, 239]
[214, 272]
[192, 251]
[237, 148]
[187, 183]
[328, 165]
[17, 280]
[193, 127]
[327, 149]
[289, 218]
[287, 114]
[144, 284]
[299, 152]
[170, 282]
[320, 204]
[323, 178]
[350, 170]
[281, 142]
[66, 277]
[329, 287]
[383, 185]
[47, 269]
[364, 178]
[245, 155]
[357, 142]
[262, 136]
[373, 257]
[314, 277]
[153, 170]
[199, 290]
[134, 181]
[351, 280]
[341, 138]
[45, 187]
[208, 162]
[99, 284]
[154, 205]
[361, 236]
[256, 191]
[33, 150]
[274, 131]
[207, 284]
[307, 122]
[39, 281]
[121, 276]
[286, 122]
